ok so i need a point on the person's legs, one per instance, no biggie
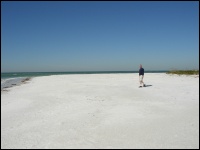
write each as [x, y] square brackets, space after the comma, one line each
[141, 80]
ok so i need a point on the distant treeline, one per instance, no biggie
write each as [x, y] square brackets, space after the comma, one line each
[184, 72]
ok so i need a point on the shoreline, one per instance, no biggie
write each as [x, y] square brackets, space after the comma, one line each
[11, 82]
[102, 111]
[38, 74]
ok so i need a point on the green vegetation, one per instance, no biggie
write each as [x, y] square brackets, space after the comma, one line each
[184, 72]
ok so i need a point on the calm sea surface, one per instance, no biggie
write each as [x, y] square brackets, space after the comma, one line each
[35, 74]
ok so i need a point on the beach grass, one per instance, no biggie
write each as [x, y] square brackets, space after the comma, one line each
[184, 72]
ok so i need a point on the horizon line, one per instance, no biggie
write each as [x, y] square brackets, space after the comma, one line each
[78, 71]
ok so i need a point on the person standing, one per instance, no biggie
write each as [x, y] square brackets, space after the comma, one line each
[141, 76]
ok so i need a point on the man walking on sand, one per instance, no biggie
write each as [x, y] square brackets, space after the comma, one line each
[141, 76]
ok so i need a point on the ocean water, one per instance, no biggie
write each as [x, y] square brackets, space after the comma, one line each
[35, 74]
[15, 78]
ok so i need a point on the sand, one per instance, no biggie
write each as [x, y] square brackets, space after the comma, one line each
[102, 111]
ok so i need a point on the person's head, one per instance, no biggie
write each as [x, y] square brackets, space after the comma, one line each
[140, 66]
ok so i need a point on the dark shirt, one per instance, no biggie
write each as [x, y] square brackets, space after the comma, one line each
[141, 71]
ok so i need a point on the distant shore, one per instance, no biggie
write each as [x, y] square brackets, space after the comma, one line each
[184, 72]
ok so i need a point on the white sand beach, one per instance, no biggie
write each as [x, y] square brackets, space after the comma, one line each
[102, 111]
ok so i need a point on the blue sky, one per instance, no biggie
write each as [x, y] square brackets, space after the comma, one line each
[99, 36]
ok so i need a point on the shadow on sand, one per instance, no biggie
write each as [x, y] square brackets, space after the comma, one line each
[147, 85]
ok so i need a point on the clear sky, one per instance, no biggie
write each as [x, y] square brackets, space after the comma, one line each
[99, 36]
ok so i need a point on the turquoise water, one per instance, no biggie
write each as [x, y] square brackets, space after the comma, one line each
[35, 74]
